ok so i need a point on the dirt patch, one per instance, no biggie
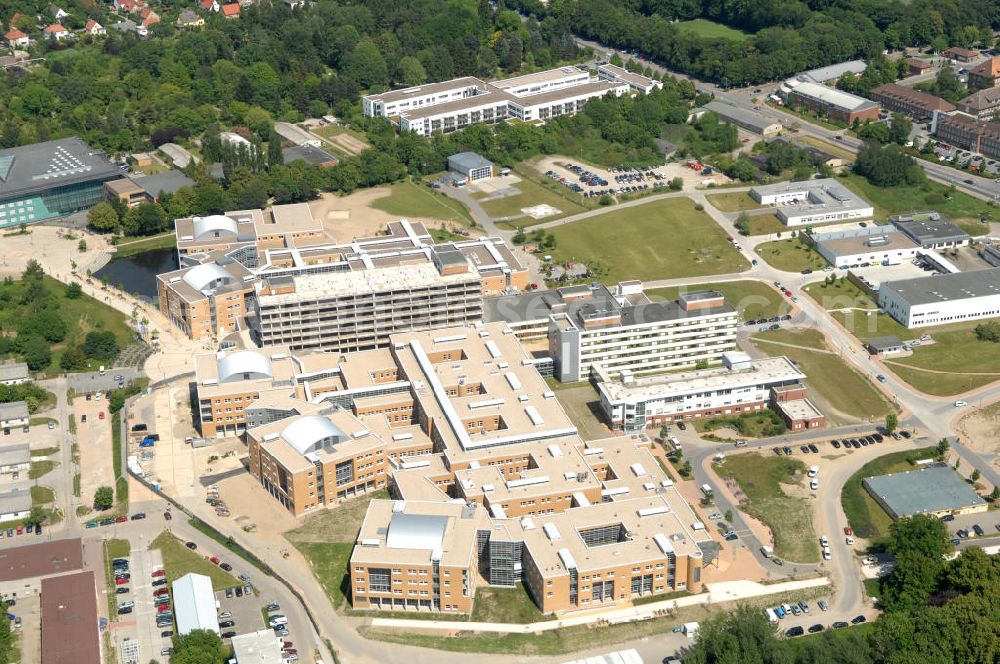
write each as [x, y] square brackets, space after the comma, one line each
[980, 429]
[94, 439]
[349, 144]
[733, 564]
[347, 218]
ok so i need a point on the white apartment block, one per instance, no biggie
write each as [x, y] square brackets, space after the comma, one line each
[452, 105]
[943, 298]
[742, 385]
[638, 82]
[589, 327]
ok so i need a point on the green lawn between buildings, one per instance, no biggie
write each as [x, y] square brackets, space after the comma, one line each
[831, 379]
[178, 560]
[410, 199]
[752, 299]
[791, 255]
[956, 361]
[789, 518]
[733, 201]
[663, 239]
[533, 193]
[864, 515]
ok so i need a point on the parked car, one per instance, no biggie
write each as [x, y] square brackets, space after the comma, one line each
[839, 624]
[159, 582]
[227, 623]
[815, 629]
[857, 620]
[159, 573]
[227, 567]
[228, 635]
[167, 633]
[823, 606]
[121, 590]
[191, 545]
[229, 592]
[794, 631]
[273, 607]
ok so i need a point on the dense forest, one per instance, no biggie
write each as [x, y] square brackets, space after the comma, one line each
[936, 610]
[783, 36]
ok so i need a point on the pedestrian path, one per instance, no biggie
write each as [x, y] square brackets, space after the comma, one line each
[728, 591]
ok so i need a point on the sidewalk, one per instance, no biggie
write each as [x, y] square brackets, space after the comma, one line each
[729, 591]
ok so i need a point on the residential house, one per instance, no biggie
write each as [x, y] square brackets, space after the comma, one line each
[57, 13]
[295, 4]
[129, 6]
[231, 10]
[56, 32]
[917, 66]
[128, 25]
[149, 17]
[95, 29]
[209, 5]
[983, 104]
[985, 74]
[188, 19]
[959, 54]
[16, 38]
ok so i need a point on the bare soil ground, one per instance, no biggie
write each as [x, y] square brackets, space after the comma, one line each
[347, 218]
[980, 429]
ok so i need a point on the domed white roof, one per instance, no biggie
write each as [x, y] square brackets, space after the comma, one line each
[244, 362]
[202, 275]
[212, 223]
[305, 432]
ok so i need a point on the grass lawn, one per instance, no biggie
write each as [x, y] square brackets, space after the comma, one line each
[508, 605]
[82, 315]
[47, 451]
[832, 380]
[789, 518]
[752, 299]
[958, 207]
[791, 255]
[807, 115]
[842, 294]
[941, 384]
[327, 538]
[801, 336]
[712, 30]
[42, 495]
[535, 193]
[864, 515]
[178, 560]
[734, 201]
[409, 199]
[132, 247]
[40, 469]
[751, 425]
[659, 240]
[765, 224]
[583, 405]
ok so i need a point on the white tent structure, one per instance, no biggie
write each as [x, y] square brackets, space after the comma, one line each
[194, 604]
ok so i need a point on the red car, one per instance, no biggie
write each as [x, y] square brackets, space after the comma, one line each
[159, 572]
[214, 560]
[848, 531]
[162, 592]
[287, 644]
[121, 519]
[100, 415]
[20, 531]
[162, 608]
[121, 582]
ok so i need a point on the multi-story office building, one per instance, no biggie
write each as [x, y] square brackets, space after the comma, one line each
[272, 272]
[825, 100]
[638, 82]
[741, 385]
[985, 75]
[51, 179]
[903, 99]
[982, 104]
[456, 104]
[812, 202]
[621, 330]
[942, 298]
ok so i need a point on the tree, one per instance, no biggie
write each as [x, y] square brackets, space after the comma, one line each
[676, 184]
[899, 131]
[989, 331]
[745, 635]
[921, 534]
[942, 448]
[275, 157]
[743, 223]
[81, 245]
[100, 345]
[103, 217]
[104, 498]
[73, 359]
[975, 475]
[199, 646]
[73, 291]
[891, 422]
[37, 353]
[995, 494]
[701, 364]
[144, 219]
[36, 517]
[411, 72]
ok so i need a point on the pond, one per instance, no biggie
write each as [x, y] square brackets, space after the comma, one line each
[137, 273]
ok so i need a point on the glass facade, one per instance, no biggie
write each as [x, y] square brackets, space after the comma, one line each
[53, 203]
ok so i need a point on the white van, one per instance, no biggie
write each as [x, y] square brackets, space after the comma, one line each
[771, 615]
[814, 484]
[706, 489]
[101, 370]
[674, 442]
[813, 471]
[826, 553]
[767, 551]
[274, 621]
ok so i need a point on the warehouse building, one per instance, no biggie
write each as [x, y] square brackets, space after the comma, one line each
[942, 298]
[296, 135]
[620, 330]
[812, 202]
[741, 385]
[857, 247]
[831, 73]
[918, 105]
[471, 166]
[930, 230]
[14, 373]
[70, 620]
[261, 647]
[14, 414]
[51, 179]
[309, 154]
[936, 490]
[23, 568]
[194, 604]
[452, 105]
[752, 121]
[837, 104]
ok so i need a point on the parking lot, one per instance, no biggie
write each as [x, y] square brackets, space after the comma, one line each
[93, 435]
[618, 179]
